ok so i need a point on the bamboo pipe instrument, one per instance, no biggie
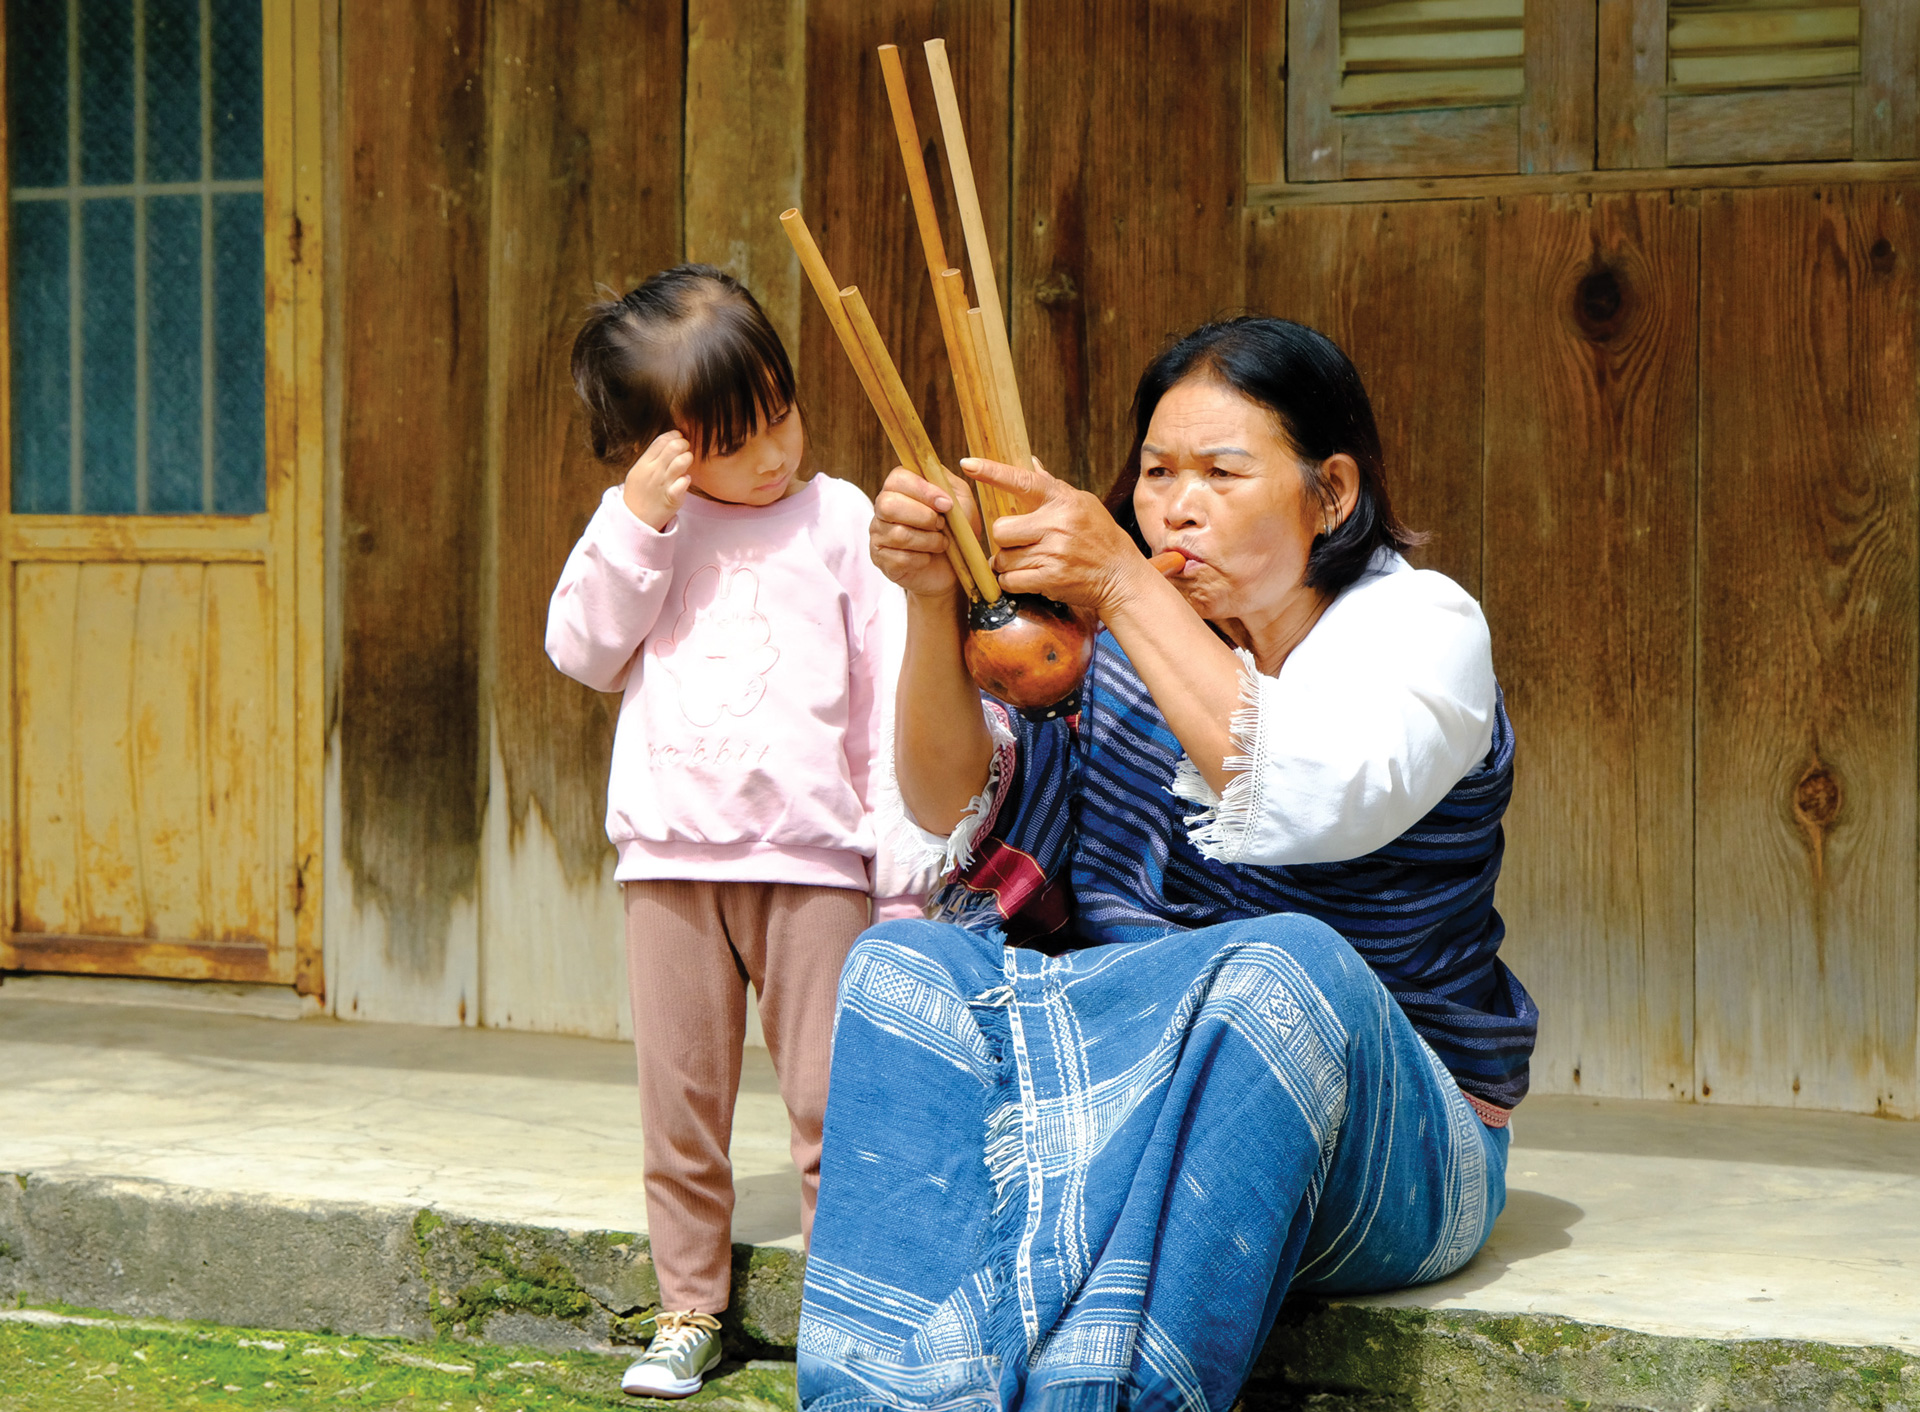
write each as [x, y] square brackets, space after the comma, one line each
[821, 278]
[952, 331]
[925, 458]
[968, 386]
[979, 256]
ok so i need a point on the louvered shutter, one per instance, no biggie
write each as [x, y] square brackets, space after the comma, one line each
[1726, 82]
[1386, 88]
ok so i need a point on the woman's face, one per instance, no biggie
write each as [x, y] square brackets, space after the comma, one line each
[1220, 483]
[765, 468]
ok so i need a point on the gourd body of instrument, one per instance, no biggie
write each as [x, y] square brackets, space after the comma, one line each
[1029, 652]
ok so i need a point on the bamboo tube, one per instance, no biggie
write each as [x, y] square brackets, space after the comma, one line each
[979, 254]
[977, 322]
[926, 460]
[950, 290]
[951, 307]
[821, 278]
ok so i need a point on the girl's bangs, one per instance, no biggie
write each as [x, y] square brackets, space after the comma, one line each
[734, 386]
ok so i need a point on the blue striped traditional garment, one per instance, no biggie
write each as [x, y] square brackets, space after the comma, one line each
[1087, 845]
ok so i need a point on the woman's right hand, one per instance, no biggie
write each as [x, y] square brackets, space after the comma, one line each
[909, 534]
[658, 482]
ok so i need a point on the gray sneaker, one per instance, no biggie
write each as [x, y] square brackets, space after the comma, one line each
[685, 1348]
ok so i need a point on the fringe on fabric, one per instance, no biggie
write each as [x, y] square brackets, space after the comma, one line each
[1219, 830]
[923, 854]
[1005, 1154]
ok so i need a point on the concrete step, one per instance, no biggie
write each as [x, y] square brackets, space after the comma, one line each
[422, 1183]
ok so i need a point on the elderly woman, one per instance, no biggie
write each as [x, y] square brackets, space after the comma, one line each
[1210, 1009]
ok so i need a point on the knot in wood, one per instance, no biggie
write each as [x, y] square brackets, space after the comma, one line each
[1880, 257]
[1056, 291]
[1816, 797]
[1599, 304]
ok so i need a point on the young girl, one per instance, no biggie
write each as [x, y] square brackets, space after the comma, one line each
[735, 606]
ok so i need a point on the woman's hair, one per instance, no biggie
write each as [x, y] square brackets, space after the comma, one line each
[690, 348]
[1303, 378]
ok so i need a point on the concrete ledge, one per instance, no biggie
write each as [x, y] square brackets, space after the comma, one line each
[1335, 1355]
[153, 1250]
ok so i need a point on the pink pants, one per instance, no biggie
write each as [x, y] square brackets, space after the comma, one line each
[692, 949]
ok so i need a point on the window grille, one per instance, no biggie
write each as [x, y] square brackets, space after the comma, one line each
[137, 256]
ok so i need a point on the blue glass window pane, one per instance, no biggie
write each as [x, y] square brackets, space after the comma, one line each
[239, 356]
[106, 91]
[42, 396]
[237, 133]
[173, 90]
[37, 92]
[107, 357]
[174, 480]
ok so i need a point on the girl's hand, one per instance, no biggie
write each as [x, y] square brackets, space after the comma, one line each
[1067, 546]
[909, 535]
[657, 485]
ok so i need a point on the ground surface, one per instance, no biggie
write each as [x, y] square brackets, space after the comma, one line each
[52, 1362]
[1671, 1219]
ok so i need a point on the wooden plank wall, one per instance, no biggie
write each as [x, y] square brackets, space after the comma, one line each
[403, 913]
[500, 160]
[1668, 438]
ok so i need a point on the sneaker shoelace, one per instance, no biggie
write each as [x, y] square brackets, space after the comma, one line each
[676, 1331]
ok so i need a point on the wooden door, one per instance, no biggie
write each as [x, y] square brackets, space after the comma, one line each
[158, 525]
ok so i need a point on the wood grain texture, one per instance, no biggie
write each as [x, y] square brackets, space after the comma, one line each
[1589, 556]
[1437, 142]
[585, 191]
[1266, 90]
[1886, 114]
[413, 280]
[46, 861]
[857, 206]
[238, 792]
[1557, 115]
[169, 744]
[1630, 78]
[1807, 649]
[746, 118]
[146, 774]
[1127, 228]
[1313, 79]
[1777, 125]
[1400, 288]
[112, 890]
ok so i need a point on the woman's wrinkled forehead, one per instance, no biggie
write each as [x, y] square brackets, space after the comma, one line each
[1203, 416]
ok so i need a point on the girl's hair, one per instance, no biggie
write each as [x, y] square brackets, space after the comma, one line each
[690, 348]
[1307, 383]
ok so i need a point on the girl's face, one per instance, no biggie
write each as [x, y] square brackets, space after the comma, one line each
[765, 468]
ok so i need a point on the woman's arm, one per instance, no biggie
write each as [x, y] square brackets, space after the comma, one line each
[941, 744]
[1069, 548]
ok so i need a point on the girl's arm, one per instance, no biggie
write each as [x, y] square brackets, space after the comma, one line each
[609, 596]
[942, 747]
[611, 590]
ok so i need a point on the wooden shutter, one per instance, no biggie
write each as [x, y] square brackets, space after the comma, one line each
[1716, 82]
[1393, 88]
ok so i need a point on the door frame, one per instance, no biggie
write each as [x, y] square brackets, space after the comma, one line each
[289, 538]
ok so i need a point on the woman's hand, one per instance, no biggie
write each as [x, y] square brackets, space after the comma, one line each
[1067, 546]
[909, 534]
[657, 484]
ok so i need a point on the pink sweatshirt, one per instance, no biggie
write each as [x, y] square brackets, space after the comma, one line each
[757, 648]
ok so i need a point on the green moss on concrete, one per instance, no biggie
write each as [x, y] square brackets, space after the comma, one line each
[545, 1288]
[425, 1223]
[151, 1367]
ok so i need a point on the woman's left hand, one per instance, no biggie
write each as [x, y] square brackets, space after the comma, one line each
[1067, 546]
